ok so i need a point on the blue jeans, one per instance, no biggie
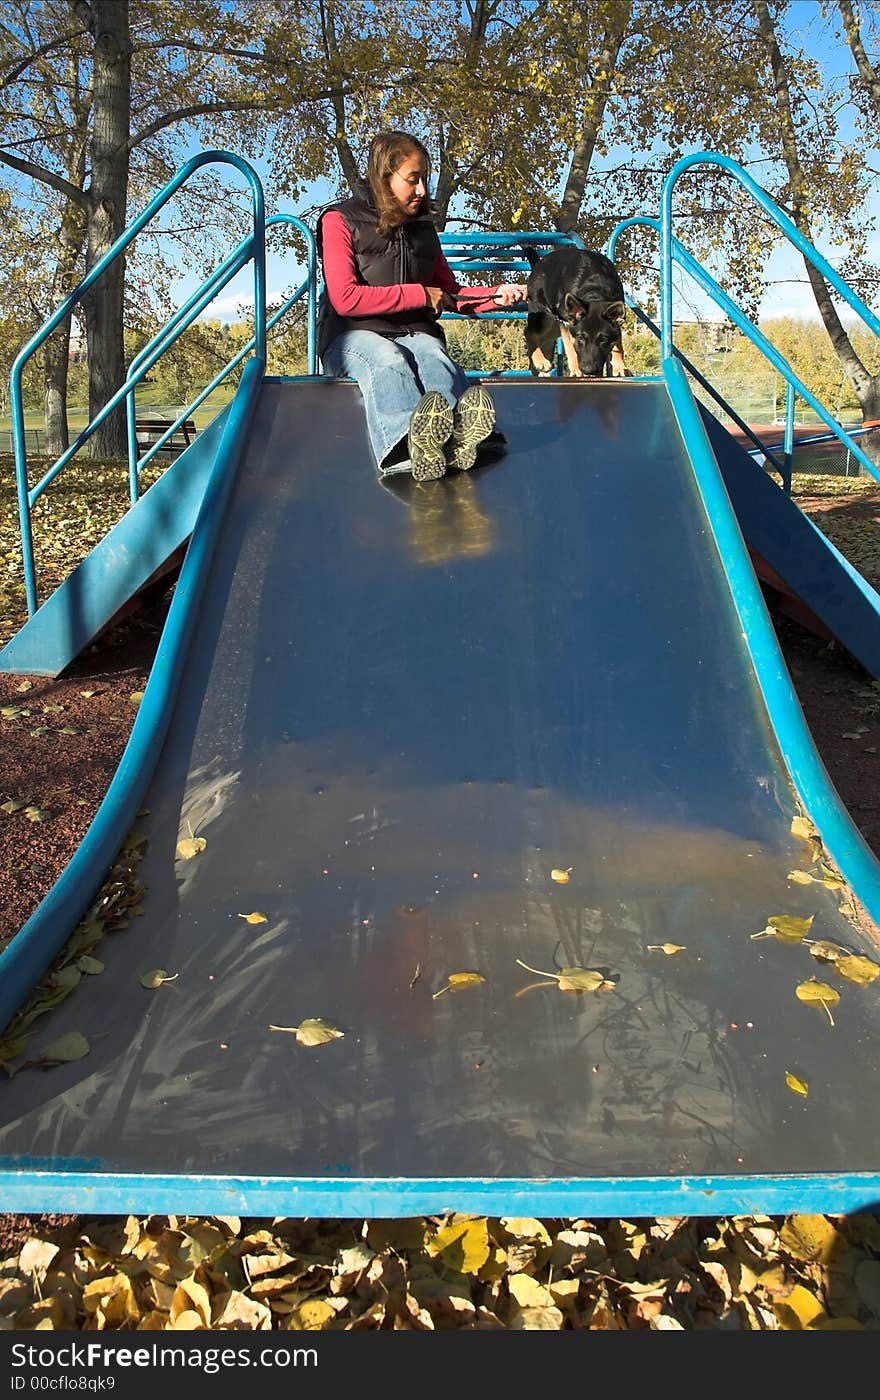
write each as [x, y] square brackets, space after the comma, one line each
[392, 376]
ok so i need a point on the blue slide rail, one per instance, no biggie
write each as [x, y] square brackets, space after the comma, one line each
[669, 255]
[689, 264]
[252, 249]
[191, 309]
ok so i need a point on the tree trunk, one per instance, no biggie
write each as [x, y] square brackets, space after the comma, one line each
[103, 306]
[594, 114]
[56, 351]
[71, 237]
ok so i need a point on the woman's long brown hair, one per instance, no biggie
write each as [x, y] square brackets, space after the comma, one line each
[388, 150]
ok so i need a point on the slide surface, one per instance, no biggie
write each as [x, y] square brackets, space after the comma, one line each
[407, 711]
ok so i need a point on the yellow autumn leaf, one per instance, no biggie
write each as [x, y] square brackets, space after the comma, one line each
[190, 846]
[824, 1323]
[111, 1301]
[786, 927]
[798, 1309]
[464, 1245]
[668, 948]
[496, 1266]
[538, 1319]
[830, 878]
[571, 979]
[526, 1227]
[819, 994]
[186, 1321]
[856, 969]
[803, 827]
[255, 918]
[136, 697]
[797, 1086]
[313, 1031]
[812, 1238]
[801, 877]
[561, 877]
[458, 980]
[581, 979]
[66, 1048]
[826, 951]
[311, 1316]
[528, 1292]
[153, 979]
[192, 1302]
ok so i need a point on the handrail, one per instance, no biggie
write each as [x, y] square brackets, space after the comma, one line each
[673, 250]
[610, 249]
[257, 250]
[187, 313]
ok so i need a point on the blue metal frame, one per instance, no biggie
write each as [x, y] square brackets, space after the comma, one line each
[36, 1187]
[680, 255]
[185, 316]
[256, 243]
[669, 254]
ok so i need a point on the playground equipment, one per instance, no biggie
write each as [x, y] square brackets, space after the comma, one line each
[530, 719]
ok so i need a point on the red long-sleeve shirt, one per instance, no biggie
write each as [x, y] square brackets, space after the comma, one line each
[351, 297]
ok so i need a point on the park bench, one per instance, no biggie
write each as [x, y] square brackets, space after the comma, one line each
[149, 430]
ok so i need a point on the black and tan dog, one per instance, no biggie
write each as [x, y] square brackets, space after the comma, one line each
[576, 294]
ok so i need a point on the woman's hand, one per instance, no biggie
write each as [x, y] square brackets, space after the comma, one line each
[509, 293]
[438, 300]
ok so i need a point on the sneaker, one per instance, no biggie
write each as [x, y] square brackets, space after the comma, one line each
[472, 422]
[429, 428]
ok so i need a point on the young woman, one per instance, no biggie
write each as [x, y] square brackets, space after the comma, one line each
[386, 283]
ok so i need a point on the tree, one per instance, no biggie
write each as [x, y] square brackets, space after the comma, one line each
[152, 71]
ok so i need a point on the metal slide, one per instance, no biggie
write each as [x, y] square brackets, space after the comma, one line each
[403, 709]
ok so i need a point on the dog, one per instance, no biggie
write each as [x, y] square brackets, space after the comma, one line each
[579, 295]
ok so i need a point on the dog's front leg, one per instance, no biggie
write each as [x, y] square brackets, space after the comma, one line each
[539, 335]
[618, 368]
[570, 349]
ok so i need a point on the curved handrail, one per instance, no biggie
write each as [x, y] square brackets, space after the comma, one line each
[184, 317]
[257, 250]
[792, 233]
[678, 253]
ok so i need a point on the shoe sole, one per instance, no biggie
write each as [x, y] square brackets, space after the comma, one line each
[429, 430]
[472, 422]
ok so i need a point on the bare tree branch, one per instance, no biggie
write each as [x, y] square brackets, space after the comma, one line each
[48, 177]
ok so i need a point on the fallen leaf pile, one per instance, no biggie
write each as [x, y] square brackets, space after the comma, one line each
[437, 1273]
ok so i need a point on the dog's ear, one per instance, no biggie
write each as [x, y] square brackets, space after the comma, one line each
[572, 308]
[616, 312]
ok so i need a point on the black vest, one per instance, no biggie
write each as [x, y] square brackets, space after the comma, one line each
[407, 253]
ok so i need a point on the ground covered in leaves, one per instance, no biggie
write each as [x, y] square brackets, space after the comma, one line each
[61, 741]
